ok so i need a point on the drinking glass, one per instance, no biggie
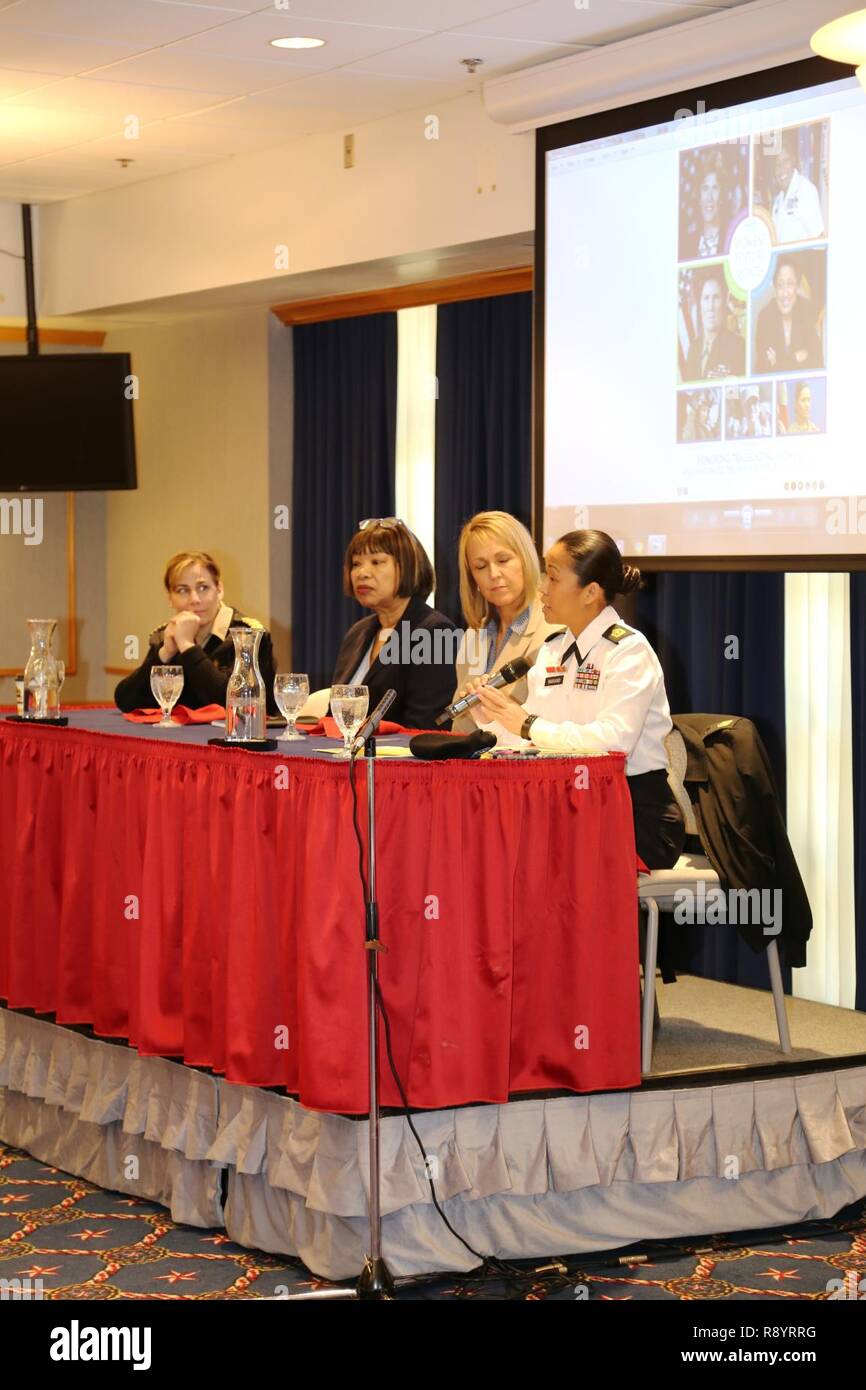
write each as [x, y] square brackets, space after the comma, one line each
[166, 682]
[349, 704]
[291, 692]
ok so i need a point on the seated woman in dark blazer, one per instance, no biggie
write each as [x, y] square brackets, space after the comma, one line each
[404, 645]
[787, 337]
[196, 637]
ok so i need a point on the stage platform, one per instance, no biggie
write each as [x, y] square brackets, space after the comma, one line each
[717, 1028]
[743, 1138]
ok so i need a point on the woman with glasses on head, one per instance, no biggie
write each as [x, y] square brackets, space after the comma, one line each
[196, 638]
[404, 645]
[499, 574]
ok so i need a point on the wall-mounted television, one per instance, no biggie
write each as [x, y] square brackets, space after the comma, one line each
[66, 423]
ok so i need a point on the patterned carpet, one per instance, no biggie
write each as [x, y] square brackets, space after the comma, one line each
[85, 1243]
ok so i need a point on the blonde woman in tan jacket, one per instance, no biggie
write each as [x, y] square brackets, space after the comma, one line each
[499, 576]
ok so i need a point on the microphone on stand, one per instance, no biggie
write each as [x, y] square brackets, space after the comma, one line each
[372, 722]
[512, 671]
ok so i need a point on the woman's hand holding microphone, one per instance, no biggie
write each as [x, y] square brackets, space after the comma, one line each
[493, 704]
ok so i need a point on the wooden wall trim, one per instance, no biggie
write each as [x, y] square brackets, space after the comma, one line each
[345, 306]
[71, 655]
[72, 337]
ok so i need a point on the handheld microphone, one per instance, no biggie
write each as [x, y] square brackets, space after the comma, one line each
[511, 672]
[452, 745]
[372, 722]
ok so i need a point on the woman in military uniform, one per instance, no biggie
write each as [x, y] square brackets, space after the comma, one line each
[597, 687]
[195, 638]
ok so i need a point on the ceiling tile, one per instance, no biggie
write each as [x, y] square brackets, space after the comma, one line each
[439, 56]
[603, 21]
[356, 95]
[250, 38]
[14, 150]
[35, 126]
[106, 165]
[172, 67]
[17, 190]
[71, 176]
[56, 54]
[431, 15]
[116, 100]
[239, 6]
[141, 22]
[13, 82]
[189, 135]
[206, 84]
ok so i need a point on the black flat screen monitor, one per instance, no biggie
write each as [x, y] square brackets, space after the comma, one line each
[67, 423]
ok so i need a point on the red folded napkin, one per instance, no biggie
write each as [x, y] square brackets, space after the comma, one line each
[181, 714]
[327, 728]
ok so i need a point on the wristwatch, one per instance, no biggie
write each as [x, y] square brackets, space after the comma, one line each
[527, 725]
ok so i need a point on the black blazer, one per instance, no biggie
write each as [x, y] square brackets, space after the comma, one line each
[770, 333]
[740, 822]
[424, 686]
[206, 671]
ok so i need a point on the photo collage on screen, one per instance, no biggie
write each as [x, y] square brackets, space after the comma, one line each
[752, 286]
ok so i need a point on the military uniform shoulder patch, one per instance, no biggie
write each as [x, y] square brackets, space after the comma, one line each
[552, 637]
[243, 621]
[617, 632]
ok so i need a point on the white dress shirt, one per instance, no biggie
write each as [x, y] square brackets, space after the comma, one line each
[797, 212]
[606, 696]
[363, 666]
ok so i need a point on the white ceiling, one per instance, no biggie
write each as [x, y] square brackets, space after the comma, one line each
[204, 83]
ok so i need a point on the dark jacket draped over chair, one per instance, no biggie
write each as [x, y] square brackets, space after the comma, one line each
[741, 823]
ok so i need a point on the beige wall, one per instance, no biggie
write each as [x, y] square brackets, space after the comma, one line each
[13, 303]
[219, 225]
[34, 584]
[202, 436]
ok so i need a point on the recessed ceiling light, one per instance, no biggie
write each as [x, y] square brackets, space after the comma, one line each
[298, 42]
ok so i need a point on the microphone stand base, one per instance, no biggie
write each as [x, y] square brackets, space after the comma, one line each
[376, 1281]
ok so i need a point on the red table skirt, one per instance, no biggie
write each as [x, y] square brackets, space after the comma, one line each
[208, 908]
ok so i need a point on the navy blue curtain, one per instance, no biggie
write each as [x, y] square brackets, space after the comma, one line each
[691, 619]
[858, 719]
[483, 422]
[345, 427]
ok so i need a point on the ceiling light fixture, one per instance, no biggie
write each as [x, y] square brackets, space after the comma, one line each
[297, 41]
[471, 63]
[844, 40]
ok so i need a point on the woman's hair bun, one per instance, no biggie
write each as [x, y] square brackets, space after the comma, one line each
[630, 579]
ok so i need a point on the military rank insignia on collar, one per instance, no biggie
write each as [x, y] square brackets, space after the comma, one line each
[617, 632]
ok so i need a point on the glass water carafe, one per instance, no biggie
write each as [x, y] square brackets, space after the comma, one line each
[41, 677]
[245, 696]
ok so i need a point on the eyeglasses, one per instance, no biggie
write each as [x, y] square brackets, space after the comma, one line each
[388, 522]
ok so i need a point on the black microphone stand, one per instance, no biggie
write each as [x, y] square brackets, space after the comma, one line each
[375, 1280]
